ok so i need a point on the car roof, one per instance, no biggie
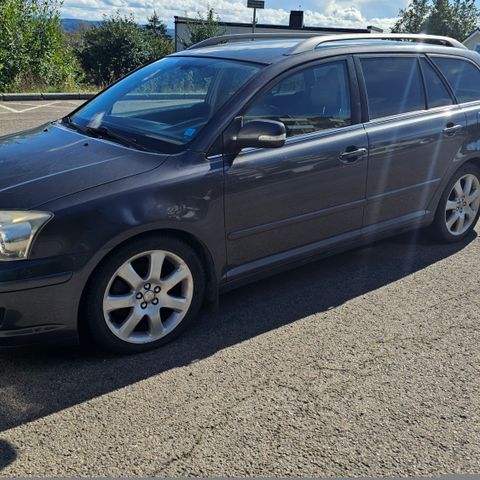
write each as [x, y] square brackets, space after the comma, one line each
[273, 51]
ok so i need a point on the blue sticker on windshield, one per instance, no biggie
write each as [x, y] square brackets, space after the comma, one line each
[189, 132]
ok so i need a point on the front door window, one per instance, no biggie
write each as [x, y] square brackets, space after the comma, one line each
[317, 98]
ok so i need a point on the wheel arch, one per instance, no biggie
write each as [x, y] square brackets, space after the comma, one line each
[435, 201]
[205, 256]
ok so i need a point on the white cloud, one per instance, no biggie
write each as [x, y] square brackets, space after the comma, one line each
[329, 13]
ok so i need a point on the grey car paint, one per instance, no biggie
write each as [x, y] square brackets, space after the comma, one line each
[247, 215]
[47, 163]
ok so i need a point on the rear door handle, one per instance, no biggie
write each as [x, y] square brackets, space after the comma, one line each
[352, 154]
[450, 130]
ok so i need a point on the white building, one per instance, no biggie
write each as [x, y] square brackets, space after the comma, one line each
[473, 40]
[296, 26]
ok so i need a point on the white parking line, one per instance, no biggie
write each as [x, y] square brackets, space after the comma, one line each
[29, 109]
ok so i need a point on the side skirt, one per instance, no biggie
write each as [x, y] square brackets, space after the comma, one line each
[274, 264]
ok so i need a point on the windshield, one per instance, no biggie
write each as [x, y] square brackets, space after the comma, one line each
[163, 106]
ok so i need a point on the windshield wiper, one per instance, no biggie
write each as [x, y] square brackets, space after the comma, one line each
[68, 121]
[106, 133]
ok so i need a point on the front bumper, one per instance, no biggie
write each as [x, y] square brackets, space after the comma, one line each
[39, 301]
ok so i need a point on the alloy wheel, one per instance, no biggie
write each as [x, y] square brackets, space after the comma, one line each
[148, 296]
[462, 204]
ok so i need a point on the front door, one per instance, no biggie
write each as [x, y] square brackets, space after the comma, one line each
[311, 189]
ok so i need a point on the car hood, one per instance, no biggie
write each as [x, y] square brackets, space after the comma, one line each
[53, 161]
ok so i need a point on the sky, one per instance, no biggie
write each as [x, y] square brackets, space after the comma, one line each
[340, 13]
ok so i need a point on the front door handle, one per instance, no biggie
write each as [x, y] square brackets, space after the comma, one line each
[451, 129]
[352, 154]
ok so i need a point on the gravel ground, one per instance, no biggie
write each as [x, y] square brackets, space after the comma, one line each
[364, 364]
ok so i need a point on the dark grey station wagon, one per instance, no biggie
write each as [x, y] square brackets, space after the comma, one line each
[227, 162]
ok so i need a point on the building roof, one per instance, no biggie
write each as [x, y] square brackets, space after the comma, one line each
[184, 20]
[477, 30]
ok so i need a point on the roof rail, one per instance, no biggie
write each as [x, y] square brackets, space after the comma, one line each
[312, 40]
[312, 43]
[209, 42]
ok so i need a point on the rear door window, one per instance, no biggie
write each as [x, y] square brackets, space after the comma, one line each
[463, 76]
[437, 92]
[394, 85]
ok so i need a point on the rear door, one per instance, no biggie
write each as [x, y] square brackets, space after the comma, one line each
[415, 131]
[463, 75]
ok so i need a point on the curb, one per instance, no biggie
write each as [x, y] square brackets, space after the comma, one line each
[11, 97]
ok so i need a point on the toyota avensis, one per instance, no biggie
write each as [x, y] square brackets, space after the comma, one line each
[226, 162]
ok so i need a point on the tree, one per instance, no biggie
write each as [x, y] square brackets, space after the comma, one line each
[452, 18]
[161, 42]
[440, 17]
[32, 49]
[117, 46]
[202, 28]
[465, 18]
[413, 18]
[156, 26]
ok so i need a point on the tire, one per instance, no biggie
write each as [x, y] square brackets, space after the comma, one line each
[460, 204]
[143, 295]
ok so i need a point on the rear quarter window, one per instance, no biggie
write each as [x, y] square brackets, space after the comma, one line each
[463, 76]
[437, 93]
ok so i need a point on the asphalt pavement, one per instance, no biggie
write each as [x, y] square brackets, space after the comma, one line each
[16, 116]
[363, 364]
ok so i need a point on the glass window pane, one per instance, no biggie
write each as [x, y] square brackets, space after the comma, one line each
[164, 105]
[437, 93]
[463, 77]
[394, 86]
[317, 98]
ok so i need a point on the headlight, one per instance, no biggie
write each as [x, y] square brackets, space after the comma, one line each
[17, 231]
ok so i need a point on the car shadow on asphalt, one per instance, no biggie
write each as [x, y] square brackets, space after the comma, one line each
[8, 454]
[36, 382]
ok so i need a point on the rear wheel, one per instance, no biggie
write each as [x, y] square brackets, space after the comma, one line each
[459, 206]
[144, 295]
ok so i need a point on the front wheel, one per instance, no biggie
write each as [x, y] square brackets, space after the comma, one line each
[459, 207]
[144, 295]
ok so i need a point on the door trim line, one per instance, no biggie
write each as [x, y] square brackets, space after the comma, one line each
[374, 198]
[265, 227]
[327, 246]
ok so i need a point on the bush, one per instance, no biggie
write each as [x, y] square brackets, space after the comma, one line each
[202, 28]
[118, 46]
[32, 47]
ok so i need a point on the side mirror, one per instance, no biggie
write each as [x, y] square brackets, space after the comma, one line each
[260, 134]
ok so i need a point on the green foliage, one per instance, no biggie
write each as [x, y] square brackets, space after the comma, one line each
[452, 18]
[413, 18]
[35, 53]
[32, 50]
[464, 18]
[158, 37]
[117, 46]
[156, 26]
[202, 28]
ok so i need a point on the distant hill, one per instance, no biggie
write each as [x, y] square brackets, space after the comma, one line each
[74, 24]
